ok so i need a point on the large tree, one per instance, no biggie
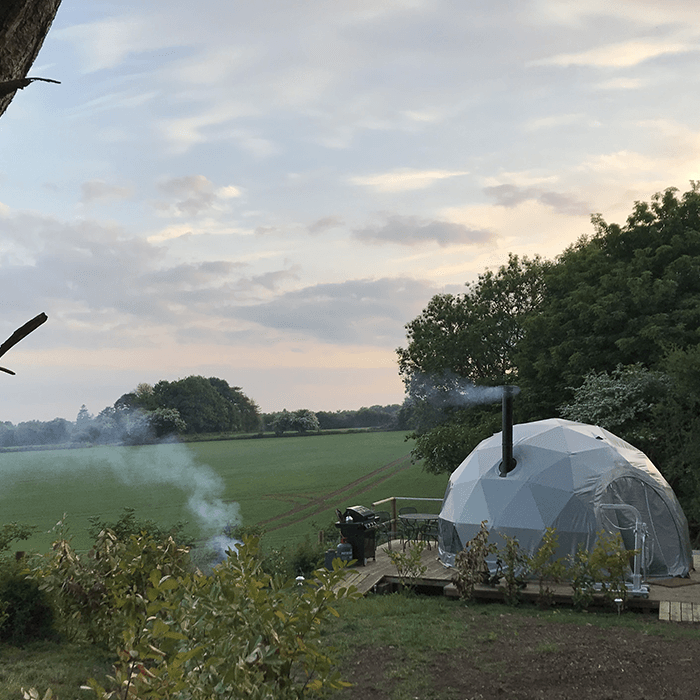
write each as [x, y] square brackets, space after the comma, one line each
[207, 405]
[243, 412]
[474, 335]
[626, 295]
[460, 342]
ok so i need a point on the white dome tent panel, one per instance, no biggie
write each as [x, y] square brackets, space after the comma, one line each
[499, 498]
[551, 502]
[477, 504]
[521, 508]
[558, 476]
[564, 473]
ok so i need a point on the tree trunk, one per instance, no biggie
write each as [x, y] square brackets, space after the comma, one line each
[23, 26]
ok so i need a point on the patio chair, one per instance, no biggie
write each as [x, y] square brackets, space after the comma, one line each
[430, 533]
[408, 531]
[384, 529]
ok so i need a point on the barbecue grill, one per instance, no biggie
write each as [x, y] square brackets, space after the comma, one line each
[358, 527]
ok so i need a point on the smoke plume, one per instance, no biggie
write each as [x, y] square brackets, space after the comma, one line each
[447, 390]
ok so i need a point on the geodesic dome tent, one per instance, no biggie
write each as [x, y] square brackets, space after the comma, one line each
[564, 472]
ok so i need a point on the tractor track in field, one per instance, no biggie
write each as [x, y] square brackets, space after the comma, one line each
[321, 503]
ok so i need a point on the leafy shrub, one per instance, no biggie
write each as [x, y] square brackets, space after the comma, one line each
[409, 563]
[27, 613]
[607, 564]
[306, 557]
[237, 633]
[470, 563]
[85, 588]
[546, 568]
[610, 561]
[128, 524]
[512, 566]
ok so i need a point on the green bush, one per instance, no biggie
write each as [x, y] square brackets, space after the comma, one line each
[545, 568]
[409, 564]
[512, 567]
[128, 524]
[85, 589]
[236, 633]
[470, 563]
[27, 613]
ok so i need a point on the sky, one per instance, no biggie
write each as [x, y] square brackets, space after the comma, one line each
[268, 191]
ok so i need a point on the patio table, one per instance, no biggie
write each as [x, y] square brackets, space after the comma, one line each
[419, 525]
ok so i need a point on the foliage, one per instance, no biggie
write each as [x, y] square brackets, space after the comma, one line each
[301, 421]
[390, 417]
[470, 564]
[546, 568]
[474, 335]
[88, 590]
[25, 614]
[33, 694]
[607, 564]
[626, 295]
[305, 557]
[443, 448]
[149, 413]
[409, 563]
[236, 628]
[26, 611]
[621, 401]
[14, 532]
[458, 348]
[610, 562]
[512, 567]
[238, 632]
[676, 420]
[128, 525]
[207, 405]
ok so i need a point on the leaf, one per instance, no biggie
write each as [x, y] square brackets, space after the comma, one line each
[168, 583]
[160, 628]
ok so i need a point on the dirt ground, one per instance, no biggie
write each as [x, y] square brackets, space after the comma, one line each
[520, 657]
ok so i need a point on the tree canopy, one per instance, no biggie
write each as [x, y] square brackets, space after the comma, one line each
[627, 295]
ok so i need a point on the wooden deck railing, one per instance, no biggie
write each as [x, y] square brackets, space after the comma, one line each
[394, 509]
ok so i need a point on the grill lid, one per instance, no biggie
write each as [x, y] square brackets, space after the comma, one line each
[359, 514]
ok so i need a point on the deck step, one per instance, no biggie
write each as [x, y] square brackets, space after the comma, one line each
[674, 611]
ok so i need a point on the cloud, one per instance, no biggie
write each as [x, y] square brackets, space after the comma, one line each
[324, 224]
[358, 312]
[404, 179]
[621, 55]
[229, 192]
[642, 13]
[98, 190]
[195, 193]
[105, 288]
[105, 44]
[512, 195]
[412, 230]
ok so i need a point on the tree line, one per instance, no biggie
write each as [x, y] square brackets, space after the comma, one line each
[607, 333]
[194, 405]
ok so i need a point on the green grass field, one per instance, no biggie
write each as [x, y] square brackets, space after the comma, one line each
[291, 486]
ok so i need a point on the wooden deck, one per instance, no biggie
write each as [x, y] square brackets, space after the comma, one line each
[382, 571]
[676, 600]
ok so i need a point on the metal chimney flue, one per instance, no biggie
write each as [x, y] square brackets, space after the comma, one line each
[508, 462]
